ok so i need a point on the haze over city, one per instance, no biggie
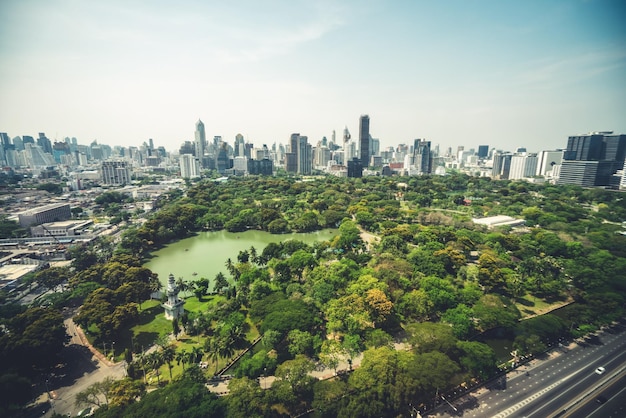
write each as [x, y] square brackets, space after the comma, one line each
[502, 73]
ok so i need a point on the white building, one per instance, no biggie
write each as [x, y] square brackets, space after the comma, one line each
[115, 173]
[546, 161]
[189, 166]
[523, 166]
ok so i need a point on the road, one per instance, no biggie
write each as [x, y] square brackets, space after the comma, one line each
[81, 369]
[609, 401]
[564, 378]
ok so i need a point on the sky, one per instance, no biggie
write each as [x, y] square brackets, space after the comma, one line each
[501, 73]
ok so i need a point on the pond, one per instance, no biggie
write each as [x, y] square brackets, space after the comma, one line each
[205, 254]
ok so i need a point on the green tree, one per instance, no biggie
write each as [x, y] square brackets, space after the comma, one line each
[246, 399]
[477, 358]
[220, 283]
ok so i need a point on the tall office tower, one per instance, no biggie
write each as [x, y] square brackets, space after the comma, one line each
[364, 139]
[44, 143]
[593, 159]
[333, 138]
[239, 145]
[422, 158]
[346, 135]
[189, 166]
[59, 149]
[304, 156]
[150, 144]
[291, 156]
[27, 139]
[584, 147]
[501, 165]
[321, 155]
[483, 151]
[546, 160]
[35, 157]
[115, 173]
[5, 140]
[200, 142]
[523, 166]
[222, 161]
[355, 169]
[374, 146]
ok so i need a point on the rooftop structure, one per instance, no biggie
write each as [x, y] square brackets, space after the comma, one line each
[498, 221]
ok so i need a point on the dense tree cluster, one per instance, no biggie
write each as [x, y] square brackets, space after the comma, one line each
[406, 266]
[431, 275]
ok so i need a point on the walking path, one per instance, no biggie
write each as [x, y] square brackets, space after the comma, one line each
[78, 337]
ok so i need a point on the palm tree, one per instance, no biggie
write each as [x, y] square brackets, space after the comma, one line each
[155, 361]
[168, 354]
[253, 254]
[225, 347]
[182, 285]
[182, 356]
[212, 347]
[230, 267]
[220, 282]
[155, 284]
[195, 355]
[142, 362]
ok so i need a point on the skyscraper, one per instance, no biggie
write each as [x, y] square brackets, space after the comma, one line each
[422, 158]
[304, 156]
[364, 139]
[593, 159]
[200, 142]
[239, 146]
[291, 156]
[189, 166]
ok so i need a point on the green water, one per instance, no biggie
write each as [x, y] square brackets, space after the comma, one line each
[205, 254]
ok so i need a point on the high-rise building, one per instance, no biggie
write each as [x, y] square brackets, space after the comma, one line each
[115, 173]
[422, 158]
[483, 151]
[523, 166]
[355, 168]
[304, 156]
[239, 148]
[501, 165]
[35, 157]
[364, 139]
[597, 154]
[189, 166]
[200, 142]
[546, 160]
[291, 156]
[222, 160]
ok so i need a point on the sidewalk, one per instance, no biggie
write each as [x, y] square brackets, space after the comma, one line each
[78, 337]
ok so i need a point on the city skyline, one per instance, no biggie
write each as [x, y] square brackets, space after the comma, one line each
[505, 74]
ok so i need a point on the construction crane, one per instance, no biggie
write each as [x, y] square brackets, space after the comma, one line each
[60, 246]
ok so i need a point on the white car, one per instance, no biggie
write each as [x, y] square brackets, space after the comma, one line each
[600, 370]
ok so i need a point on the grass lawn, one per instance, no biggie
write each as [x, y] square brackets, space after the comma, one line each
[530, 305]
[152, 325]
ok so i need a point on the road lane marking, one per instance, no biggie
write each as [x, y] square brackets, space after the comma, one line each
[531, 398]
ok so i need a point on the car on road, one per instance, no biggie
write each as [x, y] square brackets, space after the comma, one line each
[600, 370]
[601, 399]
